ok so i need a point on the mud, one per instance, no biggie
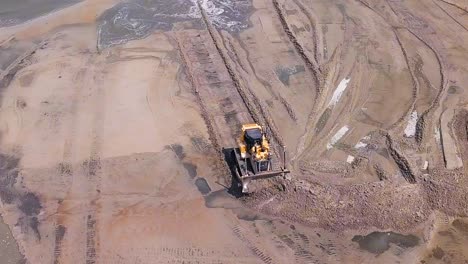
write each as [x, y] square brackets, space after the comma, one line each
[284, 73]
[379, 242]
[137, 19]
[202, 186]
[9, 251]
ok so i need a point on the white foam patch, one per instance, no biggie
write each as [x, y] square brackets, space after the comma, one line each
[350, 159]
[410, 129]
[221, 12]
[339, 91]
[437, 134]
[338, 135]
[426, 164]
[361, 144]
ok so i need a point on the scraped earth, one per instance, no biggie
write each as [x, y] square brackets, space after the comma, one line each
[113, 116]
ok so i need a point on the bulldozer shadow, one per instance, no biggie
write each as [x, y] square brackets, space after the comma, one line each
[236, 185]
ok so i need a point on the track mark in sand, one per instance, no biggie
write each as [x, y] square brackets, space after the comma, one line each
[414, 80]
[455, 5]
[93, 174]
[258, 113]
[299, 49]
[90, 240]
[447, 13]
[400, 160]
[407, 16]
[421, 124]
[59, 234]
[313, 25]
[298, 243]
[288, 107]
[238, 232]
[193, 84]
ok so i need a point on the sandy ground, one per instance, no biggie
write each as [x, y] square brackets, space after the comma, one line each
[113, 116]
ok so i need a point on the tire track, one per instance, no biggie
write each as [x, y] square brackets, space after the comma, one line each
[65, 168]
[206, 117]
[94, 173]
[260, 253]
[265, 83]
[258, 113]
[421, 123]
[400, 160]
[445, 11]
[59, 234]
[299, 49]
[414, 81]
[455, 5]
[313, 25]
[90, 240]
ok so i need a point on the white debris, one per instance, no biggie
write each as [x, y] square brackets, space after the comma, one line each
[437, 134]
[350, 159]
[339, 91]
[426, 165]
[410, 129]
[361, 144]
[337, 136]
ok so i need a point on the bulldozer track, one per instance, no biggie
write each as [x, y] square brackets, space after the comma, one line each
[260, 253]
[59, 234]
[414, 80]
[298, 47]
[90, 240]
[401, 161]
[225, 102]
[448, 14]
[313, 25]
[455, 5]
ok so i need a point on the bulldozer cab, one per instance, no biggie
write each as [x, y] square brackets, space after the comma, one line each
[253, 136]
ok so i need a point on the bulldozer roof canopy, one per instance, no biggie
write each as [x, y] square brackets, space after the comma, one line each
[253, 135]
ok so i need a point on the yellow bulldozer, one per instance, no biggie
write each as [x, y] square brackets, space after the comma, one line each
[252, 159]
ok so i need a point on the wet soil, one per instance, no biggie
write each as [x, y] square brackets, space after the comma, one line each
[379, 242]
[16, 12]
[9, 251]
[137, 19]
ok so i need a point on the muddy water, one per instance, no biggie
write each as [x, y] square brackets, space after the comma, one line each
[14, 12]
[9, 252]
[284, 73]
[137, 19]
[379, 242]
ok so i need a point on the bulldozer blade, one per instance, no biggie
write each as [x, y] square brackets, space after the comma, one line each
[265, 175]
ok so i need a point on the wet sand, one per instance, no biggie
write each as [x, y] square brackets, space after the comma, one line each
[13, 12]
[9, 251]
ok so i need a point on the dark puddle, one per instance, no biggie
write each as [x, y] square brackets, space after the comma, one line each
[191, 169]
[28, 203]
[202, 186]
[138, 18]
[284, 73]
[323, 120]
[379, 242]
